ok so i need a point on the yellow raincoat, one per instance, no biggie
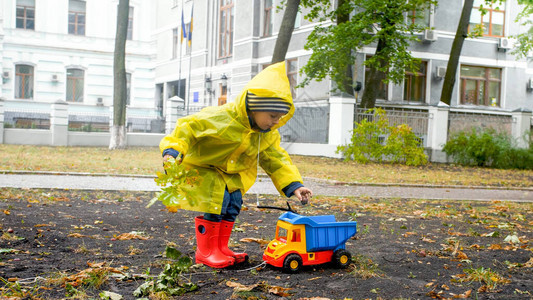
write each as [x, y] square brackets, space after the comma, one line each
[220, 143]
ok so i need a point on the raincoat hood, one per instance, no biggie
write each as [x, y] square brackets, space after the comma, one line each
[272, 82]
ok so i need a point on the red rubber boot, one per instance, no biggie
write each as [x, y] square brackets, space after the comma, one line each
[207, 251]
[225, 233]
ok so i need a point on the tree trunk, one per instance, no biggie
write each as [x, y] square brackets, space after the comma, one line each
[285, 31]
[118, 130]
[347, 83]
[373, 82]
[455, 53]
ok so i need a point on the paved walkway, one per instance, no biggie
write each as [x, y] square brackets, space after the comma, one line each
[265, 186]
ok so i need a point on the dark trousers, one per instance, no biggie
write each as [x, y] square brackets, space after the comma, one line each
[231, 207]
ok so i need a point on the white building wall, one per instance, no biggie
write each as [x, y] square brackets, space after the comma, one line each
[51, 50]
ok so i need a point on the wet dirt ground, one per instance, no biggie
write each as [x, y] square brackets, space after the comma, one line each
[404, 249]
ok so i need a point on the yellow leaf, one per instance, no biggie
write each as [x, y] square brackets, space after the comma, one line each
[172, 209]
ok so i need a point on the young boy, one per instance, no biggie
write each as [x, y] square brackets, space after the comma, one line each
[225, 144]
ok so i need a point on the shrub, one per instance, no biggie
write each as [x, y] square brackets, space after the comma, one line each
[373, 139]
[487, 148]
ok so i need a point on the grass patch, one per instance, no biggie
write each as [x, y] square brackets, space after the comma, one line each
[488, 278]
[363, 267]
[147, 161]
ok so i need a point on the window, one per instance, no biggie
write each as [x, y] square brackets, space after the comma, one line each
[292, 74]
[419, 17]
[298, 21]
[493, 21]
[128, 88]
[26, 14]
[268, 8]
[23, 82]
[414, 88]
[383, 87]
[76, 17]
[129, 35]
[480, 85]
[226, 28]
[75, 84]
[175, 44]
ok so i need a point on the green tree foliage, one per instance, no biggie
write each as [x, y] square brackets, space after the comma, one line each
[379, 23]
[374, 139]
[524, 40]
[487, 148]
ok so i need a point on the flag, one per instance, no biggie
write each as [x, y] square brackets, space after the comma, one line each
[190, 28]
[183, 29]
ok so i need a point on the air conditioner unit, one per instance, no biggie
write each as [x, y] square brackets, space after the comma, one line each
[530, 84]
[6, 75]
[100, 101]
[429, 35]
[504, 44]
[440, 72]
[54, 78]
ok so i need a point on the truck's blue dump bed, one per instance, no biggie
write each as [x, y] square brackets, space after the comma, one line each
[322, 232]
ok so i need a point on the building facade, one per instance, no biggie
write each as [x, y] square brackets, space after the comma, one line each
[54, 50]
[205, 51]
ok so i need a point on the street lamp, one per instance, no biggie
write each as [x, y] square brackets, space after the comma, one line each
[224, 81]
[209, 85]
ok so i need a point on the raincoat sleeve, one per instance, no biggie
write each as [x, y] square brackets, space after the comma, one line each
[278, 165]
[186, 133]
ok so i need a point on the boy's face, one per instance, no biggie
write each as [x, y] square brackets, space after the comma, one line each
[266, 119]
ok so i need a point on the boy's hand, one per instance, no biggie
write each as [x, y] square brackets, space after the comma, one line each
[303, 194]
[168, 156]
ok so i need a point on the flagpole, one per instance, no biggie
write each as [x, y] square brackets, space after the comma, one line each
[190, 59]
[181, 46]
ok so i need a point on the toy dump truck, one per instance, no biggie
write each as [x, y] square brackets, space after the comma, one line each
[313, 240]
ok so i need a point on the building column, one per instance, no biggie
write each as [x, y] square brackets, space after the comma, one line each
[59, 123]
[341, 118]
[1, 120]
[521, 127]
[438, 131]
[171, 116]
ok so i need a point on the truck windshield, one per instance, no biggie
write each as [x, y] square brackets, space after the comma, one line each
[282, 234]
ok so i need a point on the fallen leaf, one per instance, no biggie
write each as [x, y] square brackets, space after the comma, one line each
[256, 240]
[461, 255]
[240, 287]
[279, 291]
[77, 235]
[495, 247]
[134, 235]
[428, 240]
[463, 295]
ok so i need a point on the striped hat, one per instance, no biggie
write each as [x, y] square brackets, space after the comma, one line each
[258, 103]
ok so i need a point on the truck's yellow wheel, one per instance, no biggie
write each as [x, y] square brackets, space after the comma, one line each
[292, 263]
[342, 258]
